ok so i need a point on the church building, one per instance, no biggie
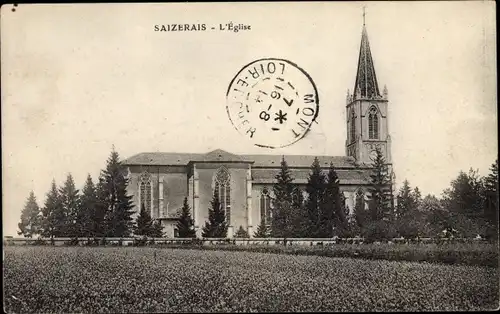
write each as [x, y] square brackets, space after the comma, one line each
[161, 181]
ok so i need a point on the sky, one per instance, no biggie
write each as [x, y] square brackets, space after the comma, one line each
[77, 79]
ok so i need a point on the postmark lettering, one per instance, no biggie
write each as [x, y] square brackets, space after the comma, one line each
[272, 102]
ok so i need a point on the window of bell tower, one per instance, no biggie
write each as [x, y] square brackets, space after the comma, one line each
[373, 124]
[353, 126]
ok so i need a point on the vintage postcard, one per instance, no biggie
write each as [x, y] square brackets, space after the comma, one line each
[249, 157]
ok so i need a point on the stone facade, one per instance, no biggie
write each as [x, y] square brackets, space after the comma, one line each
[162, 180]
[169, 177]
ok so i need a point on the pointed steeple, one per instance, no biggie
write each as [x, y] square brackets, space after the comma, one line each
[366, 80]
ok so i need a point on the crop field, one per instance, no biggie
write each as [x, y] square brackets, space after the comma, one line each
[135, 279]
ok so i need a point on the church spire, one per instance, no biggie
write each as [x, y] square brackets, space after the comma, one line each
[366, 80]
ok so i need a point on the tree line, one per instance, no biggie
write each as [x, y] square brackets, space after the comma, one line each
[99, 210]
[469, 207]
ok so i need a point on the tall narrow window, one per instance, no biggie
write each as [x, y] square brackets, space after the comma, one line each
[145, 188]
[373, 124]
[265, 207]
[223, 187]
[353, 126]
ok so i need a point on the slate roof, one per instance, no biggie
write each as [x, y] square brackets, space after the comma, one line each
[159, 159]
[351, 176]
[366, 80]
[182, 159]
[300, 161]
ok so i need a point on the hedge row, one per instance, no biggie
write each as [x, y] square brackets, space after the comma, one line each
[466, 254]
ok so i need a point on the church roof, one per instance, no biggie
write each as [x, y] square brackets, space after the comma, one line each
[219, 155]
[159, 159]
[351, 176]
[366, 85]
[300, 161]
[272, 161]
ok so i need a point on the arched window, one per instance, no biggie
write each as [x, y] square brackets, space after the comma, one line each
[373, 124]
[223, 187]
[145, 191]
[353, 126]
[265, 206]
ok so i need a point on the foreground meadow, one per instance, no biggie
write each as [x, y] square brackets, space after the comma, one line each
[107, 279]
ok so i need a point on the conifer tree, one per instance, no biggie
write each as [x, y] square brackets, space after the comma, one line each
[410, 221]
[156, 229]
[333, 209]
[344, 207]
[30, 224]
[216, 226]
[144, 223]
[283, 202]
[52, 213]
[380, 210]
[298, 215]
[417, 197]
[241, 233]
[185, 225]
[99, 226]
[117, 204]
[87, 209]
[70, 203]
[315, 189]
[360, 214]
[379, 190]
[406, 200]
[262, 230]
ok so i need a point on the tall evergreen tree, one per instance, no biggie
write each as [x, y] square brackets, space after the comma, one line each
[52, 213]
[379, 196]
[314, 204]
[298, 215]
[143, 224]
[360, 213]
[185, 225]
[99, 226]
[283, 201]
[30, 224]
[417, 197]
[70, 203]
[216, 226]
[87, 209]
[344, 207]
[333, 209]
[406, 201]
[117, 204]
[410, 221]
[380, 209]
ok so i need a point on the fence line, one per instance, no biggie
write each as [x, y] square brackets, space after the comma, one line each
[215, 241]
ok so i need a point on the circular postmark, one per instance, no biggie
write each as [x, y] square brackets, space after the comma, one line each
[273, 102]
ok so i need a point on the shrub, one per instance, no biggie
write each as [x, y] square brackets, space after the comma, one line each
[241, 233]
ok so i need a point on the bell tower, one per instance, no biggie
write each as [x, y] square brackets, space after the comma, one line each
[366, 111]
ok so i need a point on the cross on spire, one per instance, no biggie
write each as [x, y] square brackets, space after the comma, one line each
[364, 14]
[366, 80]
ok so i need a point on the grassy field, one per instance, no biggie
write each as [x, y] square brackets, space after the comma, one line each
[107, 279]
